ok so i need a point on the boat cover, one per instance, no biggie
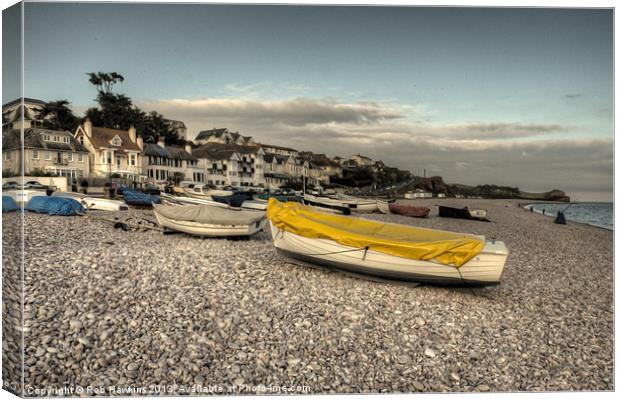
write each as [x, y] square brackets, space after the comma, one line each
[393, 239]
[55, 205]
[208, 214]
[137, 198]
[9, 204]
[233, 200]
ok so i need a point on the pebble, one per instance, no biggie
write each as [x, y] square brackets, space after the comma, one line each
[173, 309]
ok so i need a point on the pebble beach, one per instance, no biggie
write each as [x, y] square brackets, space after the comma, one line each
[148, 312]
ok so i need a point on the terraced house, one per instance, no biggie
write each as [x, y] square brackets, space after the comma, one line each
[113, 152]
[168, 163]
[232, 164]
[49, 151]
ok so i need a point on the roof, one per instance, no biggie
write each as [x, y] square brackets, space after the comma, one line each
[278, 147]
[205, 134]
[214, 155]
[33, 139]
[177, 152]
[152, 149]
[16, 114]
[102, 136]
[26, 100]
[361, 156]
[241, 149]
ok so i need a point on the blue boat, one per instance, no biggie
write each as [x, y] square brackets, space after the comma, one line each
[137, 198]
[55, 206]
[9, 204]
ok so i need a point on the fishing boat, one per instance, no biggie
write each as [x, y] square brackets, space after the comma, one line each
[210, 221]
[23, 195]
[384, 206]
[94, 203]
[408, 210]
[168, 199]
[384, 251]
[462, 213]
[358, 204]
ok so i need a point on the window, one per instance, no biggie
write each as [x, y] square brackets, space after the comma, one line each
[56, 138]
[116, 141]
[48, 155]
[35, 154]
[7, 156]
[80, 158]
[65, 139]
[108, 155]
[70, 156]
[82, 140]
[132, 159]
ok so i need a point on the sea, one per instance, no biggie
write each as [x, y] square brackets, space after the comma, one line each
[600, 214]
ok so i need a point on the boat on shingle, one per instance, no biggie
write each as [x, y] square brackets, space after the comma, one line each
[385, 251]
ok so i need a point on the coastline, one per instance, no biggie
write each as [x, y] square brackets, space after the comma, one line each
[133, 308]
[533, 204]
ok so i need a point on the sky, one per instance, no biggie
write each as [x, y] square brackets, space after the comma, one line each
[517, 97]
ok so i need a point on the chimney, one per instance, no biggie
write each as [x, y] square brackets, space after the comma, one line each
[161, 142]
[132, 133]
[188, 147]
[88, 127]
[139, 142]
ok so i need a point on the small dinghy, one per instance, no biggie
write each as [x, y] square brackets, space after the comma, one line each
[94, 203]
[55, 206]
[355, 205]
[385, 251]
[462, 213]
[281, 198]
[210, 221]
[408, 210]
[140, 199]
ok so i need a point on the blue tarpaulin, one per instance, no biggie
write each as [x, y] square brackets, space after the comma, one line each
[234, 200]
[9, 204]
[55, 206]
[137, 198]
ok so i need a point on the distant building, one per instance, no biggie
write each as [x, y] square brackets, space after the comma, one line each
[274, 149]
[168, 163]
[358, 160]
[112, 151]
[235, 165]
[178, 126]
[45, 150]
[12, 113]
[222, 136]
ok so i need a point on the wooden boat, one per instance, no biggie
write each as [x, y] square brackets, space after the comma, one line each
[210, 221]
[408, 210]
[202, 191]
[384, 206]
[94, 203]
[310, 200]
[462, 213]
[354, 204]
[21, 195]
[182, 200]
[384, 251]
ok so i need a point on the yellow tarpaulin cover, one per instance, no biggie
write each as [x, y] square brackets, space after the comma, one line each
[399, 240]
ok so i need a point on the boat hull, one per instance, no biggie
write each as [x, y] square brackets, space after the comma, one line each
[212, 230]
[383, 207]
[462, 213]
[485, 269]
[94, 203]
[411, 211]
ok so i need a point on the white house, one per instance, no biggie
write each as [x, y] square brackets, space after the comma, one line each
[112, 151]
[168, 163]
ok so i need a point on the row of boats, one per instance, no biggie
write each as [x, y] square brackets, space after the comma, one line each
[319, 231]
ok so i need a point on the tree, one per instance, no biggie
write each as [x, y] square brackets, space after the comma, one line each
[117, 111]
[57, 115]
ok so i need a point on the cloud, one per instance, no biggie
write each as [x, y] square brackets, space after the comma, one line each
[531, 156]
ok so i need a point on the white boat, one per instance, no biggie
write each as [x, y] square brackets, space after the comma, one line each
[182, 200]
[354, 204]
[254, 205]
[23, 195]
[317, 249]
[384, 206]
[202, 191]
[210, 221]
[94, 203]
